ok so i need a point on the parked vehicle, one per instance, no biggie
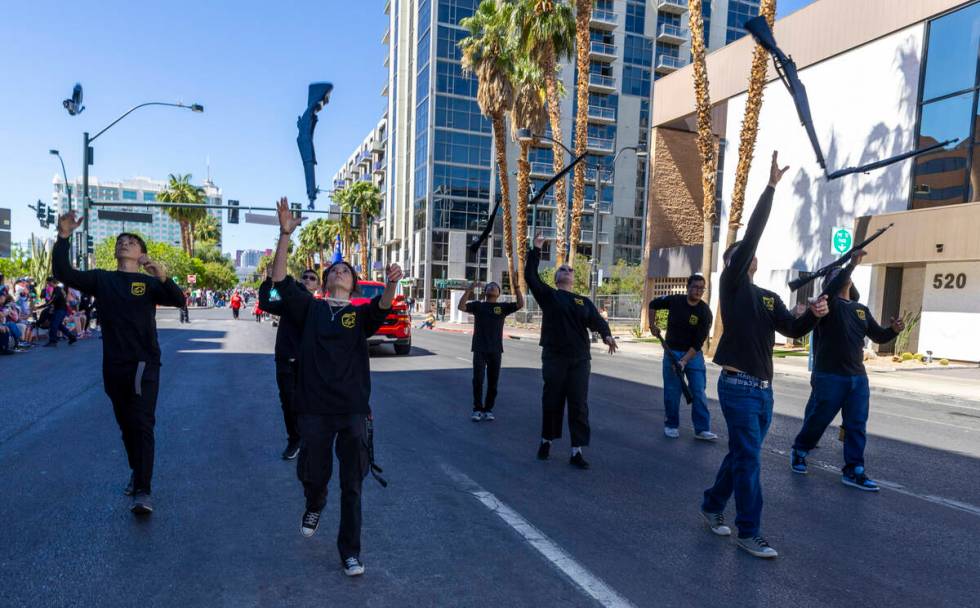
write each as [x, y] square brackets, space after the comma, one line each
[397, 328]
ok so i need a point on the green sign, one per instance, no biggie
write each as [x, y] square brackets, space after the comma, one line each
[452, 283]
[841, 240]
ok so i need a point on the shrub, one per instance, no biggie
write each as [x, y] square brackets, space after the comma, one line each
[637, 331]
[919, 356]
[907, 356]
[944, 362]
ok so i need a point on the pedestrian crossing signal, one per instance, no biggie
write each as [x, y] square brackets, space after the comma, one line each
[232, 213]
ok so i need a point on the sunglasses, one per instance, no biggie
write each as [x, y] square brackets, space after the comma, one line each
[310, 277]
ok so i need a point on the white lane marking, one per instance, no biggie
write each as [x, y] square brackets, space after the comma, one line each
[585, 580]
[954, 426]
[464, 359]
[895, 487]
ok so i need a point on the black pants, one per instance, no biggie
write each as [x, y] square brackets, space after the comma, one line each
[488, 363]
[234, 311]
[566, 379]
[132, 388]
[185, 316]
[315, 466]
[286, 380]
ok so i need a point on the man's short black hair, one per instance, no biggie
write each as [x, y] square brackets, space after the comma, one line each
[728, 252]
[135, 237]
[697, 276]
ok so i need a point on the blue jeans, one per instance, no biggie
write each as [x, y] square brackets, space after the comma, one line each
[14, 330]
[57, 323]
[748, 413]
[832, 393]
[695, 373]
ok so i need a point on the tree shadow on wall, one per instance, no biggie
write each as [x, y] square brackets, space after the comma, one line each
[823, 200]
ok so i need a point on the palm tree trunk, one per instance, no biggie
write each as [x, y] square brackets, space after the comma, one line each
[364, 245]
[705, 138]
[184, 238]
[500, 143]
[558, 152]
[583, 16]
[746, 148]
[523, 191]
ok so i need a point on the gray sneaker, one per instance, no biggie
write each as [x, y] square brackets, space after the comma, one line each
[142, 503]
[488, 416]
[477, 416]
[757, 546]
[716, 521]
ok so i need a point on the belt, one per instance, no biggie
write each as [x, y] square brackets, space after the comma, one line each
[744, 379]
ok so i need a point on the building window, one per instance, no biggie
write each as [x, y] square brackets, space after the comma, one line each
[450, 79]
[638, 51]
[948, 101]
[463, 114]
[739, 11]
[129, 195]
[149, 196]
[451, 11]
[635, 16]
[448, 43]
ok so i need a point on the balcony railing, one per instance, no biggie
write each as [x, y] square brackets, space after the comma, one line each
[379, 166]
[603, 48]
[601, 16]
[599, 80]
[666, 63]
[600, 113]
[678, 7]
[606, 175]
[668, 32]
[601, 143]
[540, 168]
[586, 238]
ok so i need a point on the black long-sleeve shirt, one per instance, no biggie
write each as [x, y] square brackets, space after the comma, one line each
[127, 306]
[334, 375]
[751, 314]
[289, 332]
[838, 344]
[566, 317]
[687, 326]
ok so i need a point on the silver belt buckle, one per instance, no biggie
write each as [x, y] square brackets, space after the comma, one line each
[764, 384]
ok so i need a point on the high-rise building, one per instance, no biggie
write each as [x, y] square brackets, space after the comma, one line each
[138, 189]
[439, 145]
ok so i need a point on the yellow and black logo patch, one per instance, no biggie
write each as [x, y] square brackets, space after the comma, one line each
[497, 310]
[349, 319]
[769, 302]
[693, 320]
[580, 301]
[860, 313]
[137, 288]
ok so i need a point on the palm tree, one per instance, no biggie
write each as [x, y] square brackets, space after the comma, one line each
[488, 52]
[546, 33]
[329, 231]
[583, 43]
[180, 190]
[208, 229]
[705, 138]
[346, 227]
[308, 242]
[364, 198]
[529, 112]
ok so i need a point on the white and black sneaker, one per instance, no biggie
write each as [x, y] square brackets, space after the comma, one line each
[477, 416]
[488, 416]
[142, 503]
[353, 567]
[311, 521]
[716, 521]
[757, 546]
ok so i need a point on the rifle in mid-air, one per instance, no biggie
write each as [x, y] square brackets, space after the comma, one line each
[801, 281]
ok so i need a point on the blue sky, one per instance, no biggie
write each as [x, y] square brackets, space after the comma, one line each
[248, 62]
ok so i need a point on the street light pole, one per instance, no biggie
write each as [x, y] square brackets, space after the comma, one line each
[87, 160]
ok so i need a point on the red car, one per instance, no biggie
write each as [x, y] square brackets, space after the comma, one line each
[397, 328]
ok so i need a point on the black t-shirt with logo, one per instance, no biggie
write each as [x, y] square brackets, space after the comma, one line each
[488, 325]
[753, 315]
[334, 375]
[687, 326]
[566, 317]
[289, 332]
[127, 307]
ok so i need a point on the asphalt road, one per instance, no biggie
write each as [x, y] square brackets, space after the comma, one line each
[470, 518]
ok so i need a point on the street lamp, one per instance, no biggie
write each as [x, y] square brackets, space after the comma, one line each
[88, 159]
[597, 220]
[526, 136]
[65, 173]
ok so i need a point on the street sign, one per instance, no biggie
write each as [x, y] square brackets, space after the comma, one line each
[191, 279]
[126, 216]
[452, 283]
[841, 240]
[258, 218]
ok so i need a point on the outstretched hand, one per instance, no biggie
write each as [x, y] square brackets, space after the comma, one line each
[611, 343]
[393, 273]
[287, 221]
[819, 307]
[775, 173]
[655, 330]
[67, 224]
[897, 325]
[538, 240]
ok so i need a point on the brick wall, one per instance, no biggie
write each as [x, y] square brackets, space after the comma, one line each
[675, 190]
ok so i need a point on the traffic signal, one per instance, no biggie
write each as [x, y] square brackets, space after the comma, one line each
[89, 244]
[318, 96]
[42, 213]
[296, 209]
[51, 218]
[232, 213]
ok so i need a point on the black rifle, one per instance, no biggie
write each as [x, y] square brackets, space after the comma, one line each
[372, 467]
[788, 73]
[675, 364]
[801, 281]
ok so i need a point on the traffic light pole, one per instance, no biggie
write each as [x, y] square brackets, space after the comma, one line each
[86, 161]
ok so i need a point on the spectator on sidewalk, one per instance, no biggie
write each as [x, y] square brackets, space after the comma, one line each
[58, 305]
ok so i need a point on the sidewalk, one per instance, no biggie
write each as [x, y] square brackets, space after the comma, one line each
[956, 382]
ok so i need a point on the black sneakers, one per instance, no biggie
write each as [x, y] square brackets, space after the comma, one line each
[353, 567]
[142, 503]
[579, 461]
[311, 521]
[797, 461]
[128, 491]
[856, 478]
[292, 450]
[544, 450]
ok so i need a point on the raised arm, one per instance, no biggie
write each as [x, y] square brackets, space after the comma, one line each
[393, 275]
[266, 302]
[738, 266]
[534, 282]
[287, 224]
[879, 334]
[467, 297]
[60, 262]
[833, 289]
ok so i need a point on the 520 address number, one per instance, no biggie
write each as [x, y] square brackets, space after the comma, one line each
[949, 281]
